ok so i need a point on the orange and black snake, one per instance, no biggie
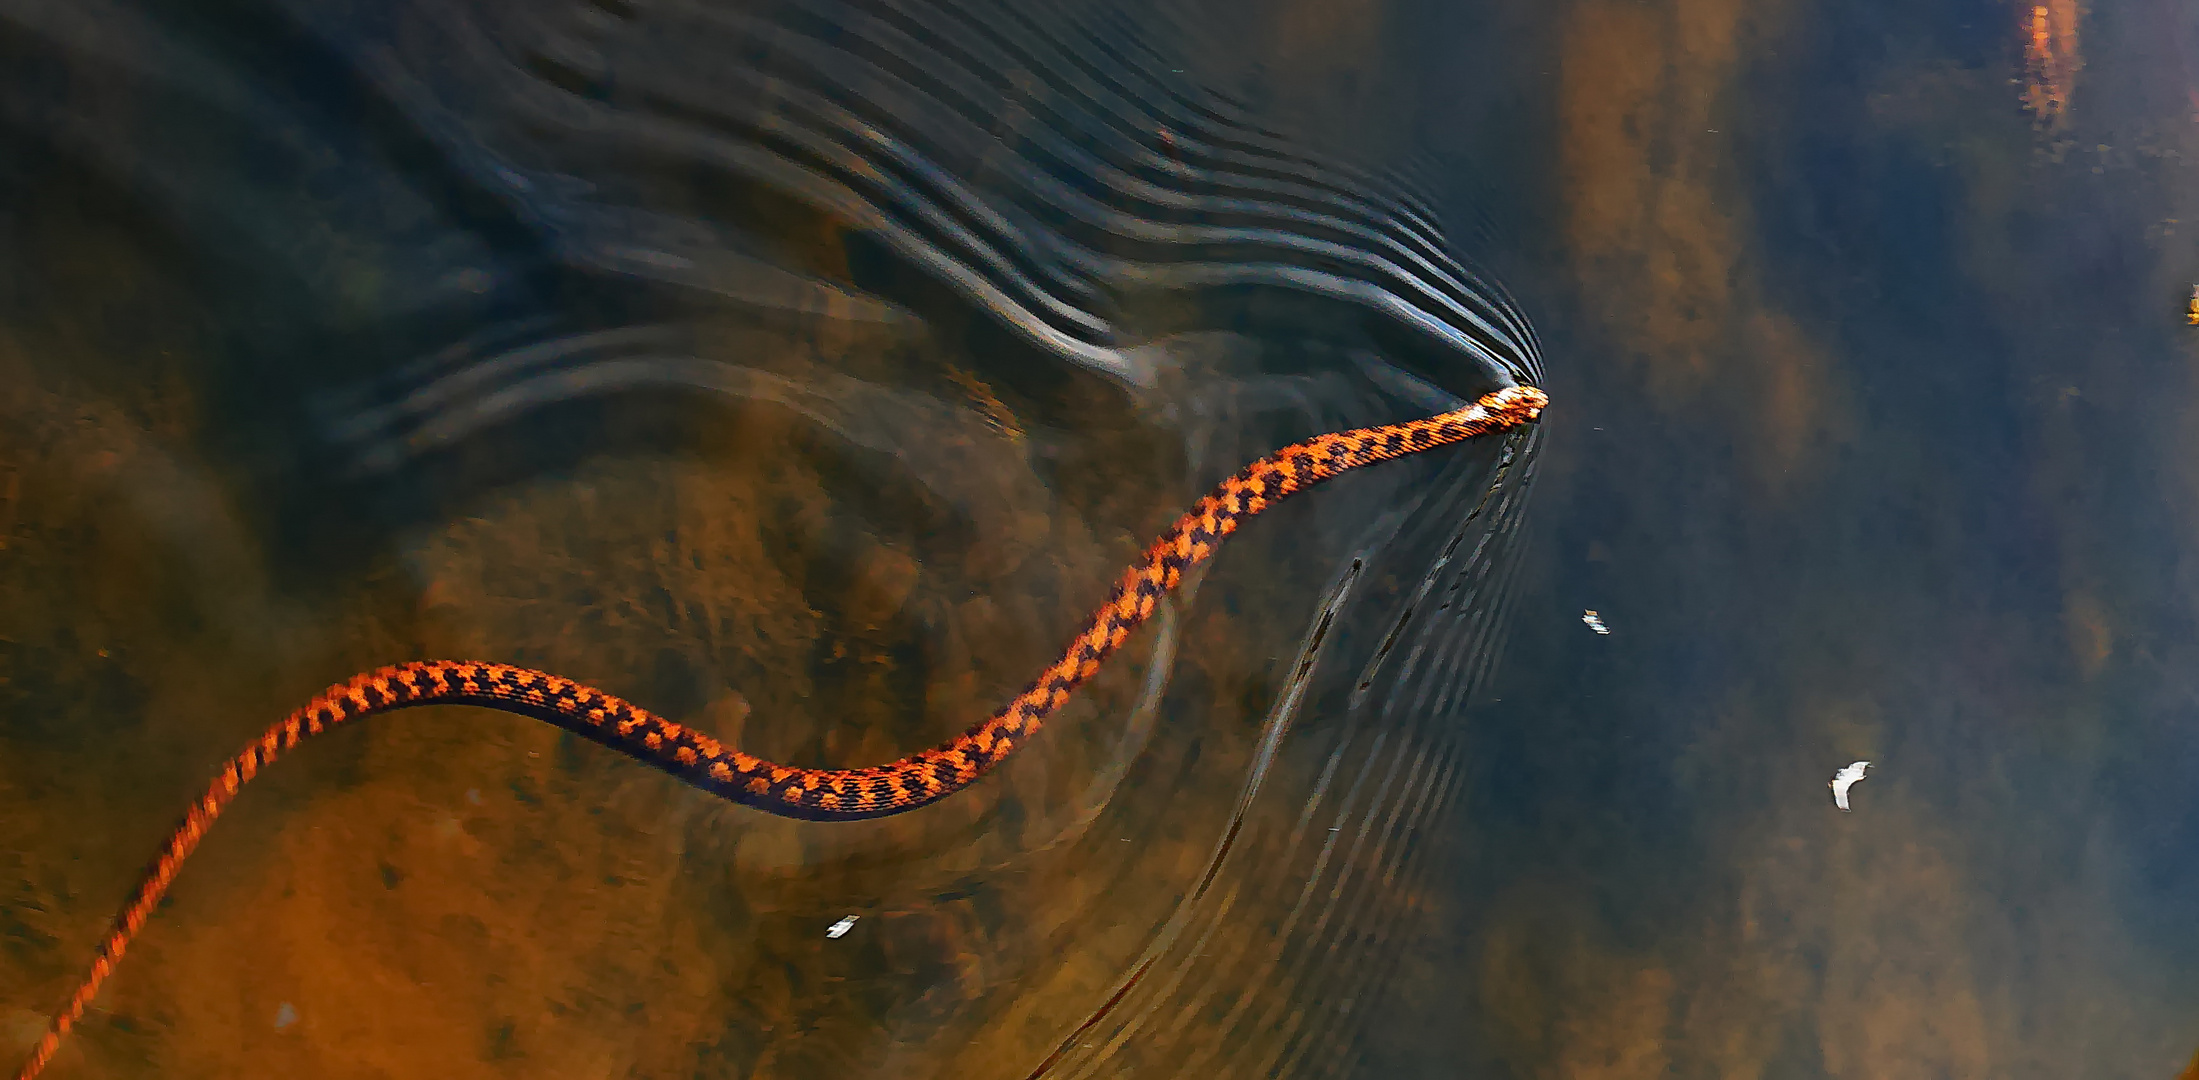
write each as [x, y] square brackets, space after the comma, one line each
[790, 791]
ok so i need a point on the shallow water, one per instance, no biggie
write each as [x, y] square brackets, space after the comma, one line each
[1874, 449]
[728, 359]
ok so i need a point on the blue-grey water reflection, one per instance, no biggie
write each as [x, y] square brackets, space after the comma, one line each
[1875, 449]
[802, 369]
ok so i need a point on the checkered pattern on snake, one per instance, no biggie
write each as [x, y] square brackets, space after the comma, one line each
[786, 790]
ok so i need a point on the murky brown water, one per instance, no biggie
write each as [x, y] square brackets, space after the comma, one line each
[1870, 441]
[288, 396]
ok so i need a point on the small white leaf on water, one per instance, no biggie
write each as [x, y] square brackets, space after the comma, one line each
[840, 928]
[1845, 779]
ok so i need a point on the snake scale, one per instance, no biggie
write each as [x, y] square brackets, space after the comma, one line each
[786, 790]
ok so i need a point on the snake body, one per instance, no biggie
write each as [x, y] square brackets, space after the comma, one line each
[786, 790]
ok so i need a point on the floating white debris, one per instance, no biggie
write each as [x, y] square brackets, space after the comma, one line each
[1594, 621]
[1845, 779]
[840, 928]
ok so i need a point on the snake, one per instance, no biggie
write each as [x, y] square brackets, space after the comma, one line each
[791, 791]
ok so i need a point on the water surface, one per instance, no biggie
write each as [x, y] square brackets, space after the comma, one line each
[335, 335]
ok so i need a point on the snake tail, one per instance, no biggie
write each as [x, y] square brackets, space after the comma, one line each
[788, 790]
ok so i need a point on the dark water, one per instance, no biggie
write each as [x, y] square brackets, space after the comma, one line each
[804, 370]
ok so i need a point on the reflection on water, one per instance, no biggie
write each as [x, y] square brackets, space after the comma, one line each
[2051, 60]
[796, 369]
[1876, 447]
[801, 371]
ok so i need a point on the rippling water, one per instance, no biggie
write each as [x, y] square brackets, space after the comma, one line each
[801, 371]
[804, 371]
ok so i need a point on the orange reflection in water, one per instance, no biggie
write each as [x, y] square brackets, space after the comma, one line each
[2050, 60]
